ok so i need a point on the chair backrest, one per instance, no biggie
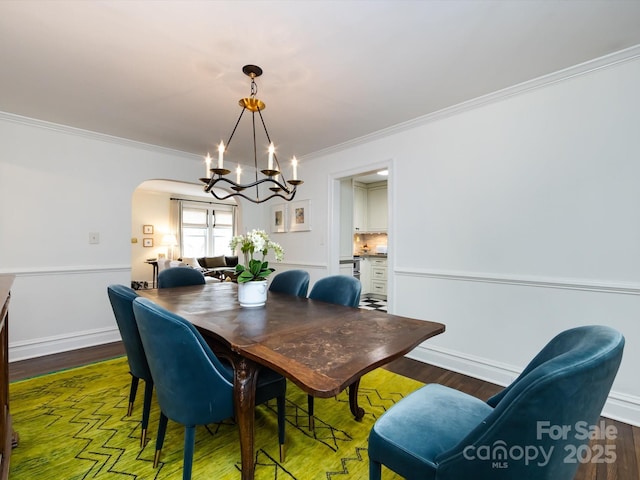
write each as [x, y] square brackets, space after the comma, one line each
[180, 277]
[192, 385]
[544, 413]
[292, 282]
[121, 299]
[338, 289]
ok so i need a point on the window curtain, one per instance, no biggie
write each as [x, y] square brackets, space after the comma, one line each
[175, 223]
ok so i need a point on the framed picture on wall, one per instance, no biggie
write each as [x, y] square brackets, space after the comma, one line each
[147, 242]
[300, 216]
[147, 230]
[279, 218]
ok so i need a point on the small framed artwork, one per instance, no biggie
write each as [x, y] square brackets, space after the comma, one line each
[279, 218]
[300, 216]
[147, 242]
[147, 230]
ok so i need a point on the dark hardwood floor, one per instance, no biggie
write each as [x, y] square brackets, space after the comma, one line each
[626, 444]
[60, 361]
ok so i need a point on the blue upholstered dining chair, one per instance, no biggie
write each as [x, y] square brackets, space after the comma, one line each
[193, 386]
[527, 431]
[180, 277]
[292, 282]
[121, 299]
[338, 289]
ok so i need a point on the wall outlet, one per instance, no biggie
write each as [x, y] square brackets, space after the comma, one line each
[94, 238]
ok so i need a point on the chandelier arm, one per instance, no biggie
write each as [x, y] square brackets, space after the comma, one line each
[235, 128]
[275, 157]
[288, 195]
[255, 151]
[253, 200]
[281, 186]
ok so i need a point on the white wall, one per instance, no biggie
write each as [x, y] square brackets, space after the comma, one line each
[148, 208]
[512, 220]
[56, 185]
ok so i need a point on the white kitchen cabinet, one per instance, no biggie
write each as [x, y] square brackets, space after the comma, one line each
[379, 274]
[365, 275]
[379, 288]
[370, 211]
[359, 208]
[378, 277]
[377, 210]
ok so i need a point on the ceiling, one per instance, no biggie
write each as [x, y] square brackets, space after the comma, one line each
[169, 73]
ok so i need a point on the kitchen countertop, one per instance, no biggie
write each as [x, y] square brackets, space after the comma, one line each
[376, 255]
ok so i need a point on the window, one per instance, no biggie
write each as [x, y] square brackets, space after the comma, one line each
[206, 230]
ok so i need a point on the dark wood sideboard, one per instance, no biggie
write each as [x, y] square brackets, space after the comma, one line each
[6, 431]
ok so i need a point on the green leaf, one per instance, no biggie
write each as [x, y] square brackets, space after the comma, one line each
[245, 276]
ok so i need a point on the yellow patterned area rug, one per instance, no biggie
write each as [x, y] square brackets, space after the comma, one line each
[73, 425]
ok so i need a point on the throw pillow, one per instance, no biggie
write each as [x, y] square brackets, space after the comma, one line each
[231, 261]
[213, 262]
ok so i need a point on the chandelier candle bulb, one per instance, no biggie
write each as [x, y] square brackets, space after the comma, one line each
[238, 174]
[207, 165]
[294, 163]
[220, 154]
[271, 150]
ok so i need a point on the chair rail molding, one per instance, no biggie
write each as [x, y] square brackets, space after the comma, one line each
[620, 288]
[64, 270]
[316, 265]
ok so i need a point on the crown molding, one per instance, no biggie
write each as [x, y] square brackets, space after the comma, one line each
[88, 134]
[584, 68]
[606, 61]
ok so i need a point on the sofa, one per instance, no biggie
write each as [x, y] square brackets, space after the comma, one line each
[222, 267]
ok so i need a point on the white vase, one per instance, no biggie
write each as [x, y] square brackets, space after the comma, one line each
[252, 294]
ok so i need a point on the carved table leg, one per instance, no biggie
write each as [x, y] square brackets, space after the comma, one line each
[244, 395]
[358, 412]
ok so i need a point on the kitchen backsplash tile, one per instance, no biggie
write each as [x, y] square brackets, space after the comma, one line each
[367, 242]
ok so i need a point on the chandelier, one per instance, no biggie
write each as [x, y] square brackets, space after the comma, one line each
[273, 177]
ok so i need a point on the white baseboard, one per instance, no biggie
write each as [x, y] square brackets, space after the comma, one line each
[619, 406]
[61, 343]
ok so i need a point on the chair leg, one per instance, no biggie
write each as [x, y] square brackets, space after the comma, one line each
[189, 444]
[148, 393]
[281, 424]
[162, 429]
[312, 423]
[375, 470]
[132, 394]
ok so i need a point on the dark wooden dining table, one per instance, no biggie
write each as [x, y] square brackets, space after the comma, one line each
[321, 347]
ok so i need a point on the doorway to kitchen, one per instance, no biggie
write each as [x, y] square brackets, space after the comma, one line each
[360, 243]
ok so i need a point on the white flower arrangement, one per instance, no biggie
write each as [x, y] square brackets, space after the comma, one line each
[255, 242]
